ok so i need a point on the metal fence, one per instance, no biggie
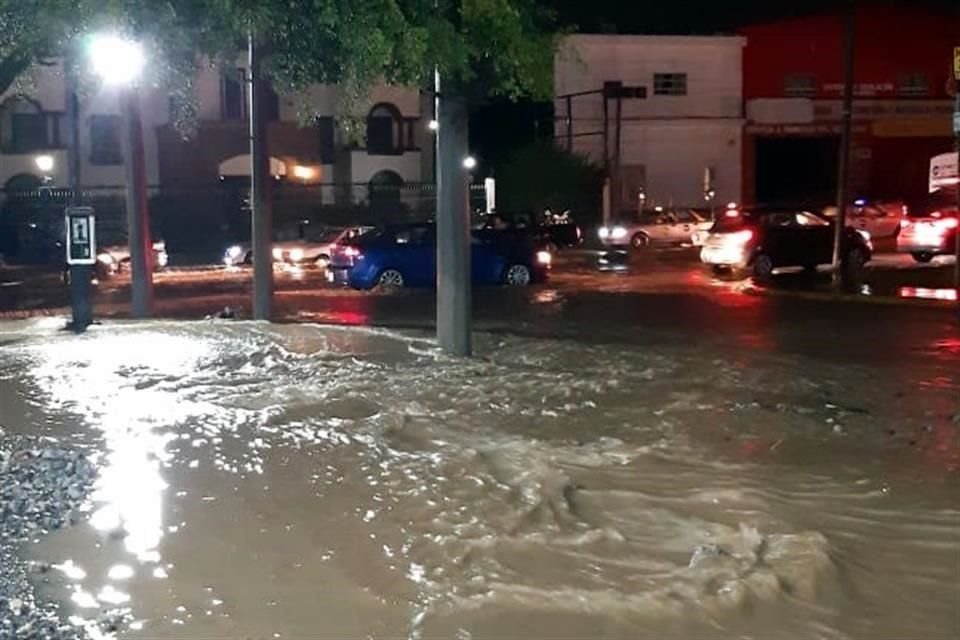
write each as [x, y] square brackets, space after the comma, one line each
[201, 221]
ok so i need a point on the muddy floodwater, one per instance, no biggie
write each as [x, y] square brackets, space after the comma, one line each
[307, 482]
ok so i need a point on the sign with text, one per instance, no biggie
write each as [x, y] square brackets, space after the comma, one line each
[81, 235]
[943, 171]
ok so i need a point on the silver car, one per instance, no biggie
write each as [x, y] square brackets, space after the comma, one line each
[315, 251]
[657, 228]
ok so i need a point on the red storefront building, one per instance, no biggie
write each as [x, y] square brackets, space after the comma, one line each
[793, 85]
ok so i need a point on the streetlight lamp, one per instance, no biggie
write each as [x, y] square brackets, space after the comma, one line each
[44, 164]
[119, 62]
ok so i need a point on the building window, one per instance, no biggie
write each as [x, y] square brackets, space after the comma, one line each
[233, 95]
[799, 85]
[669, 84]
[384, 131]
[105, 145]
[28, 132]
[913, 85]
[325, 142]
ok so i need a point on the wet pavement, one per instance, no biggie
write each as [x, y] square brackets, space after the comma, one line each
[295, 481]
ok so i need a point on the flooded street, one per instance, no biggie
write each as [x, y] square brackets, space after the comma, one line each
[296, 481]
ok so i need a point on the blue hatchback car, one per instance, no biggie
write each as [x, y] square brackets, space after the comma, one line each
[406, 256]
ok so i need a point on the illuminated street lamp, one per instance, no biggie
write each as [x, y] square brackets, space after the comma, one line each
[116, 60]
[119, 62]
[44, 163]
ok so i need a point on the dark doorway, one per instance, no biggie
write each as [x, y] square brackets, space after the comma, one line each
[797, 170]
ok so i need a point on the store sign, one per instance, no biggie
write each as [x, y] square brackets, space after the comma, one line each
[943, 171]
[872, 109]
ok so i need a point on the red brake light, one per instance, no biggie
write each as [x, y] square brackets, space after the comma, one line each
[905, 223]
[351, 252]
[949, 223]
[731, 213]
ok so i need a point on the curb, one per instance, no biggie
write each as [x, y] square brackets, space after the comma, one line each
[849, 298]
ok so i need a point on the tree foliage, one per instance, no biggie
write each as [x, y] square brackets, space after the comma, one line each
[541, 175]
[481, 47]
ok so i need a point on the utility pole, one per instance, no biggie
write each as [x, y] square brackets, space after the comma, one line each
[261, 214]
[138, 216]
[80, 274]
[956, 146]
[453, 230]
[845, 127]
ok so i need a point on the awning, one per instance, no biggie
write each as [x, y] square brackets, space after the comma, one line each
[240, 166]
[943, 171]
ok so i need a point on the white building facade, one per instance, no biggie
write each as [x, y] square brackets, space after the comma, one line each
[668, 128]
[34, 122]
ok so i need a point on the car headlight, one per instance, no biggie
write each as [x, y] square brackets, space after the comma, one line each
[604, 233]
[162, 258]
[278, 254]
[234, 252]
[544, 257]
[618, 233]
[296, 255]
[864, 234]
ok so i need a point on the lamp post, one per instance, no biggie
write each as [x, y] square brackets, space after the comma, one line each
[119, 62]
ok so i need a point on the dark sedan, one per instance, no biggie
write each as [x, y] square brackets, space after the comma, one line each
[764, 240]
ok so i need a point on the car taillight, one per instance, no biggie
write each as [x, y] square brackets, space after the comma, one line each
[351, 252]
[731, 213]
[948, 223]
[740, 237]
[905, 223]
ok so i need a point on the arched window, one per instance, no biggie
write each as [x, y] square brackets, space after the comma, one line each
[384, 130]
[385, 190]
[22, 182]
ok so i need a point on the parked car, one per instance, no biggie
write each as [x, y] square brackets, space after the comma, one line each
[559, 231]
[405, 256]
[116, 258]
[312, 249]
[879, 219]
[765, 240]
[930, 235]
[655, 227]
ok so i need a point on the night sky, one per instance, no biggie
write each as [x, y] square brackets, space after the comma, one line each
[501, 127]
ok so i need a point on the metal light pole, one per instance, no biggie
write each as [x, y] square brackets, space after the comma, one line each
[845, 126]
[138, 216]
[262, 213]
[453, 230]
[119, 62]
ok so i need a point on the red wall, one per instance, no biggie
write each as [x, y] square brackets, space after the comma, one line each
[889, 42]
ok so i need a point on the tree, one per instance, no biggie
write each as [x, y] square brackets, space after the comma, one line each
[542, 175]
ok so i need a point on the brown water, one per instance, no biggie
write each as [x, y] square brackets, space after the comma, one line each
[304, 482]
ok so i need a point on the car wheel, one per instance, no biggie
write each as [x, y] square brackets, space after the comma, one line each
[762, 267]
[518, 275]
[853, 265]
[640, 240]
[922, 256]
[390, 279]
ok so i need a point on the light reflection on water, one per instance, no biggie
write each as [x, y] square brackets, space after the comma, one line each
[539, 482]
